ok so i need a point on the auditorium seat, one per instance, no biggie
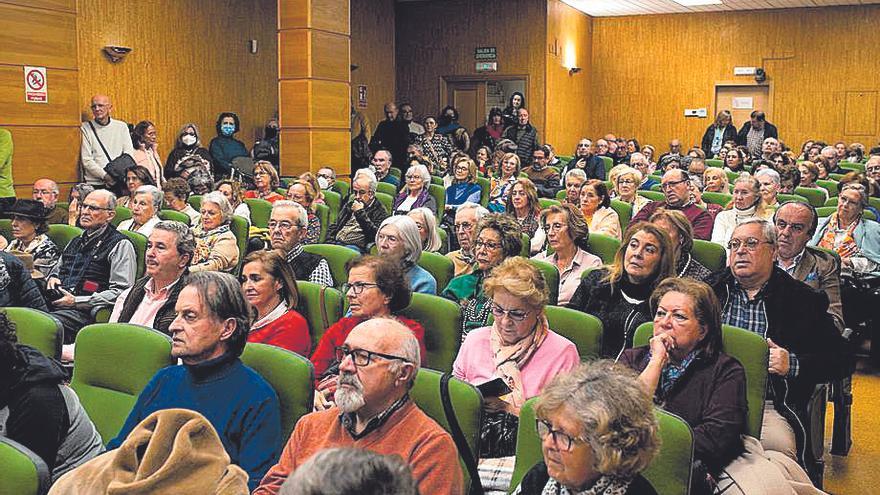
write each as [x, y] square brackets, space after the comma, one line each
[442, 321]
[337, 257]
[439, 195]
[828, 185]
[61, 234]
[320, 306]
[37, 329]
[139, 241]
[624, 212]
[485, 189]
[195, 200]
[323, 213]
[439, 266]
[551, 276]
[652, 195]
[341, 188]
[387, 201]
[174, 216]
[334, 202]
[241, 230]
[260, 212]
[24, 472]
[712, 255]
[603, 246]
[722, 199]
[547, 202]
[122, 214]
[712, 162]
[386, 188]
[584, 330]
[815, 196]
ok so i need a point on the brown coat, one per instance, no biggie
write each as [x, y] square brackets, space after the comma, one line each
[821, 270]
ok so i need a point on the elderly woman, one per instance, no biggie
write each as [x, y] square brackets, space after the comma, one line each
[519, 348]
[524, 207]
[29, 227]
[735, 161]
[216, 246]
[500, 186]
[574, 179]
[77, 193]
[578, 418]
[770, 184]
[232, 191]
[376, 288]
[464, 187]
[313, 180]
[747, 203]
[269, 285]
[715, 180]
[626, 188]
[567, 235]
[398, 239]
[428, 232]
[497, 238]
[145, 205]
[188, 143]
[414, 194]
[845, 232]
[649, 151]
[437, 147]
[135, 177]
[266, 181]
[145, 139]
[618, 295]
[302, 192]
[681, 233]
[597, 211]
[176, 193]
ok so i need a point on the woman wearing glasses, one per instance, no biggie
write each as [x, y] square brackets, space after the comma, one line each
[585, 451]
[597, 211]
[519, 348]
[376, 288]
[398, 239]
[265, 181]
[626, 188]
[414, 193]
[216, 246]
[847, 233]
[747, 203]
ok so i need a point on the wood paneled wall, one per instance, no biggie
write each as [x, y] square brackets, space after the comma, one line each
[569, 33]
[821, 63]
[190, 61]
[372, 50]
[45, 136]
[437, 39]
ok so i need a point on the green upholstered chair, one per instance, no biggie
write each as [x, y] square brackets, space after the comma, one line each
[62, 234]
[333, 201]
[342, 188]
[241, 230]
[386, 188]
[175, 216]
[671, 469]
[122, 214]
[107, 394]
[37, 329]
[439, 195]
[652, 195]
[826, 211]
[467, 403]
[290, 375]
[712, 255]
[323, 213]
[387, 201]
[439, 266]
[751, 351]
[551, 276]
[624, 212]
[656, 188]
[139, 241]
[6, 228]
[831, 201]
[526, 245]
[395, 172]
[603, 246]
[337, 257]
[24, 472]
[609, 164]
[320, 306]
[260, 212]
[853, 167]
[442, 321]
[584, 330]
[485, 189]
[815, 196]
[782, 198]
[712, 162]
[828, 185]
[436, 179]
[528, 444]
[195, 200]
[717, 198]
[560, 195]
[444, 241]
[547, 202]
[732, 176]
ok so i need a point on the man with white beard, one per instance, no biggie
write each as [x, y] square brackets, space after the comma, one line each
[377, 366]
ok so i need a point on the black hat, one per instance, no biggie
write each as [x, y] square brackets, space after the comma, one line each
[29, 208]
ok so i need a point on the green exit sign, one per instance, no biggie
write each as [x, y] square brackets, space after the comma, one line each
[487, 66]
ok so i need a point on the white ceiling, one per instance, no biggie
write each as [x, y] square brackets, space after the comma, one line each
[607, 8]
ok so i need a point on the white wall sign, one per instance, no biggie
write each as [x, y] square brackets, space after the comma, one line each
[36, 87]
[743, 103]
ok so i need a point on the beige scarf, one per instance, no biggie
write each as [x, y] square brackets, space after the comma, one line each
[509, 359]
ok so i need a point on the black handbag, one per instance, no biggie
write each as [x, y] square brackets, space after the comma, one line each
[117, 167]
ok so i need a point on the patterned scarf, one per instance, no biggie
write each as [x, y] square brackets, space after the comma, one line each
[510, 358]
[205, 240]
[672, 372]
[847, 247]
[605, 485]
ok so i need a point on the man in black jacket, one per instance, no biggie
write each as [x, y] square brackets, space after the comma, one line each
[392, 134]
[360, 217]
[524, 135]
[754, 132]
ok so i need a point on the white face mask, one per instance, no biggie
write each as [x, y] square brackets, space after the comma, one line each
[323, 183]
[188, 140]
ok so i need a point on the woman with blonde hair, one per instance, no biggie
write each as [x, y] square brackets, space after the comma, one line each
[524, 207]
[626, 188]
[718, 133]
[303, 192]
[428, 231]
[715, 180]
[500, 186]
[266, 181]
[231, 190]
[747, 203]
[567, 233]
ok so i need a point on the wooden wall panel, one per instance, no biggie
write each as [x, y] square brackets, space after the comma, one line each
[45, 152]
[314, 149]
[569, 31]
[190, 61]
[436, 39]
[327, 15]
[648, 69]
[63, 106]
[62, 5]
[372, 50]
[329, 98]
[29, 34]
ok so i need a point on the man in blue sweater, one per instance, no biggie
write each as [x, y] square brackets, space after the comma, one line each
[208, 336]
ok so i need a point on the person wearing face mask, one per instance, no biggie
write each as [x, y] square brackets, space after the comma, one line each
[225, 147]
[188, 143]
[267, 148]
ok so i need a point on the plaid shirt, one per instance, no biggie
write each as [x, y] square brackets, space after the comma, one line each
[320, 275]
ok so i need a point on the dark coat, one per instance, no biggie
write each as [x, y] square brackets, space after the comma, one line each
[536, 478]
[526, 144]
[368, 218]
[706, 143]
[595, 168]
[17, 288]
[769, 131]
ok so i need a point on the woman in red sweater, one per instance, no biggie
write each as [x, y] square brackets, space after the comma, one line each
[270, 286]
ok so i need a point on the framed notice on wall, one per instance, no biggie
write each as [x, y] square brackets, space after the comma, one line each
[743, 103]
[36, 88]
[362, 96]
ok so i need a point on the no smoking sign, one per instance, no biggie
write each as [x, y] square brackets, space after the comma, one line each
[35, 85]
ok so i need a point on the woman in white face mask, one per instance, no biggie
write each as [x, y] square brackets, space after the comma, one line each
[188, 143]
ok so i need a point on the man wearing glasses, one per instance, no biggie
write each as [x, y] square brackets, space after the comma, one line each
[378, 365]
[46, 192]
[677, 196]
[872, 170]
[466, 217]
[94, 269]
[360, 217]
[287, 225]
[103, 139]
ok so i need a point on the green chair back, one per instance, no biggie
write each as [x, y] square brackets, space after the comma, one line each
[732, 176]
[261, 210]
[713, 162]
[139, 241]
[337, 257]
[528, 444]
[547, 202]
[444, 241]
[439, 195]
[712, 255]
[6, 228]
[560, 195]
[551, 276]
[652, 195]
[832, 201]
[467, 403]
[395, 172]
[525, 251]
[815, 196]
[24, 472]
[442, 321]
[485, 189]
[105, 393]
[826, 211]
[609, 164]
[334, 202]
[122, 214]
[671, 469]
[387, 201]
[195, 200]
[857, 167]
[624, 212]
[37, 329]
[603, 246]
[175, 216]
[782, 198]
[320, 306]
[341, 188]
[751, 351]
[828, 185]
[387, 188]
[657, 188]
[323, 213]
[62, 234]
[439, 266]
[241, 230]
[436, 179]
[717, 198]
[290, 375]
[584, 330]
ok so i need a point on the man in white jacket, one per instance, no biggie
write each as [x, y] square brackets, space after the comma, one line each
[112, 134]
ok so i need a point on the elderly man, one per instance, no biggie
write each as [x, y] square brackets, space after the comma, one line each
[407, 115]
[287, 225]
[94, 269]
[391, 134]
[145, 206]
[466, 218]
[805, 346]
[677, 191]
[326, 178]
[574, 179]
[832, 160]
[103, 139]
[209, 333]
[360, 217]
[150, 301]
[46, 191]
[524, 135]
[378, 365]
[754, 132]
[640, 162]
[382, 163]
[546, 179]
[768, 148]
[872, 170]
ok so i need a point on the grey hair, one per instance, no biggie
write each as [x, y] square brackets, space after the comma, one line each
[434, 242]
[302, 218]
[628, 170]
[222, 296]
[769, 172]
[409, 235]
[481, 211]
[111, 198]
[374, 182]
[186, 242]
[409, 349]
[638, 158]
[341, 471]
[575, 172]
[388, 152]
[153, 191]
[767, 228]
[332, 172]
[82, 188]
[220, 200]
[422, 171]
[859, 188]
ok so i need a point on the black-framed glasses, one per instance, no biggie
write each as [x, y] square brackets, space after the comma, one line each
[88, 207]
[363, 357]
[672, 183]
[562, 440]
[513, 314]
[357, 287]
[751, 244]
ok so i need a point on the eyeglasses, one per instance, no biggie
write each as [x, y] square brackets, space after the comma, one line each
[357, 192]
[623, 182]
[487, 244]
[385, 237]
[751, 244]
[362, 357]
[795, 227]
[513, 314]
[413, 177]
[261, 172]
[563, 440]
[357, 288]
[555, 227]
[326, 176]
[873, 169]
[671, 184]
[283, 225]
[463, 226]
[88, 207]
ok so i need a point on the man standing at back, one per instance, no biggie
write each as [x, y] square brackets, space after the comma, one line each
[754, 132]
[392, 134]
[103, 139]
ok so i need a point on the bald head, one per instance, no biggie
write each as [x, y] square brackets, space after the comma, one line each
[46, 192]
[101, 107]
[390, 111]
[391, 336]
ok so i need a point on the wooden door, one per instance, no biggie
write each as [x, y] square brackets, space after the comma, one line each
[742, 101]
[469, 98]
